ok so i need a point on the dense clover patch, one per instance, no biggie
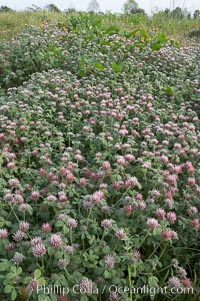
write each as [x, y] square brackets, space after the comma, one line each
[100, 170]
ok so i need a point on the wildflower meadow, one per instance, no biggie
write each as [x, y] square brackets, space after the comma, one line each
[99, 162]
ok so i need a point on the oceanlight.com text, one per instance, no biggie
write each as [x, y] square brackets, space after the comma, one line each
[122, 290]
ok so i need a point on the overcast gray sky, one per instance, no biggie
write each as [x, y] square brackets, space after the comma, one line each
[112, 5]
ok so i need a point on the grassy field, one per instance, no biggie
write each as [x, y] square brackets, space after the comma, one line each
[12, 23]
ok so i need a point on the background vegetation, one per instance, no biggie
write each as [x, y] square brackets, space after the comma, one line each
[177, 23]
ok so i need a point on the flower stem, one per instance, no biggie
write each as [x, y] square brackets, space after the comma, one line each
[154, 251]
[13, 211]
[67, 273]
[89, 216]
[116, 246]
[144, 239]
[118, 202]
[42, 264]
[163, 251]
[70, 233]
[104, 232]
[130, 282]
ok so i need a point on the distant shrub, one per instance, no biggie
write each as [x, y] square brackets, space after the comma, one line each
[138, 11]
[34, 8]
[53, 8]
[5, 9]
[70, 10]
[196, 14]
[194, 33]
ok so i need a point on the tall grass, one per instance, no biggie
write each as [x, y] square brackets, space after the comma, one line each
[12, 23]
[174, 26]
